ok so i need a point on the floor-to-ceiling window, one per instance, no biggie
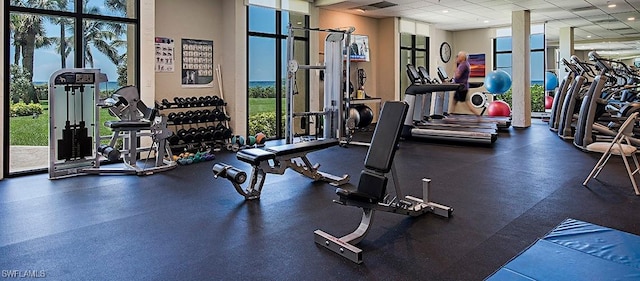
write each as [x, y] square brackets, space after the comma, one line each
[45, 36]
[502, 56]
[413, 50]
[267, 68]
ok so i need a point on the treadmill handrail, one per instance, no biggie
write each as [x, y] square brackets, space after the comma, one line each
[423, 89]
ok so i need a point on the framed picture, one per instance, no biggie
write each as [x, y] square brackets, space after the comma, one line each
[477, 63]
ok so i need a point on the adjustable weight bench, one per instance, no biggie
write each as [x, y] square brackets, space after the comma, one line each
[276, 160]
[371, 194]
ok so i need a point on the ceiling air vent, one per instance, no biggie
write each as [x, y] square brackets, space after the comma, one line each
[376, 6]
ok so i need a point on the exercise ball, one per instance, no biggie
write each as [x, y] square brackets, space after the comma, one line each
[551, 81]
[499, 108]
[548, 102]
[497, 82]
[366, 115]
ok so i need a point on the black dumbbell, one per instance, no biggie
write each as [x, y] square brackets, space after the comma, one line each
[188, 117]
[166, 103]
[215, 100]
[171, 116]
[182, 133]
[208, 101]
[216, 114]
[204, 117]
[178, 118]
[174, 139]
[197, 115]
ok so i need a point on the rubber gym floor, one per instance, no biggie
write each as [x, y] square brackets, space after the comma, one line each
[184, 225]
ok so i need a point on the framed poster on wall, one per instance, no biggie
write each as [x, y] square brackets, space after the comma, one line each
[197, 63]
[359, 49]
[477, 63]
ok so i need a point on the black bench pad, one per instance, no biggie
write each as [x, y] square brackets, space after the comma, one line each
[127, 124]
[254, 156]
[306, 146]
[348, 191]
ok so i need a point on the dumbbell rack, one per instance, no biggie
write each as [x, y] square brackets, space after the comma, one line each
[197, 123]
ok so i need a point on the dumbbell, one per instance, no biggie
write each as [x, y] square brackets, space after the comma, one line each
[187, 135]
[188, 117]
[216, 113]
[207, 135]
[174, 139]
[182, 133]
[198, 135]
[178, 118]
[226, 132]
[201, 101]
[204, 117]
[197, 116]
[208, 100]
[193, 102]
[215, 100]
[182, 102]
[166, 103]
[171, 116]
[109, 152]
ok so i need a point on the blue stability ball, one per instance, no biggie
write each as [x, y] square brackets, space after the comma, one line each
[551, 81]
[497, 82]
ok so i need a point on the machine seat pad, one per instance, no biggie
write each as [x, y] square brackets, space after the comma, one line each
[473, 85]
[254, 156]
[306, 146]
[349, 191]
[127, 124]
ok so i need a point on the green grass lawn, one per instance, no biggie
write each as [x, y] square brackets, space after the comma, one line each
[259, 105]
[26, 130]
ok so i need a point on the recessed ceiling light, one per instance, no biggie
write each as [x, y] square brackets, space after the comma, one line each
[588, 36]
[611, 5]
[486, 21]
[360, 10]
[445, 11]
[631, 18]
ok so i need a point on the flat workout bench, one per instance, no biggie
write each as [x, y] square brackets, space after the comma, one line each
[371, 194]
[276, 160]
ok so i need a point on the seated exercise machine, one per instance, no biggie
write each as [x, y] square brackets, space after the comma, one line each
[276, 160]
[371, 192]
[74, 134]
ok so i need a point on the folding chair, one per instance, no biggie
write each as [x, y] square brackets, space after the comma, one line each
[620, 145]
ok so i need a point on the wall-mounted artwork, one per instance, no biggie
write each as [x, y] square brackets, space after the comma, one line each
[359, 49]
[477, 63]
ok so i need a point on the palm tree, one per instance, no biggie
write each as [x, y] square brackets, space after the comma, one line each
[28, 34]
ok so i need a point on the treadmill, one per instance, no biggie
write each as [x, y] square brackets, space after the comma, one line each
[501, 121]
[434, 129]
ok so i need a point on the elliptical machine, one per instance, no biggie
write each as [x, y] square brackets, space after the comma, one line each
[594, 104]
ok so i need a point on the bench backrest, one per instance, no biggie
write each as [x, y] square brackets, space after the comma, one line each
[386, 136]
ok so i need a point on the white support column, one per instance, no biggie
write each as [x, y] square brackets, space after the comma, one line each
[521, 69]
[147, 52]
[565, 48]
[2, 94]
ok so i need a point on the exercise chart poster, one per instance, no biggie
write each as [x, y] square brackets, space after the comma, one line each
[197, 63]
[164, 54]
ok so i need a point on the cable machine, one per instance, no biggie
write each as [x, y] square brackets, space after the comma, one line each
[335, 102]
[73, 137]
